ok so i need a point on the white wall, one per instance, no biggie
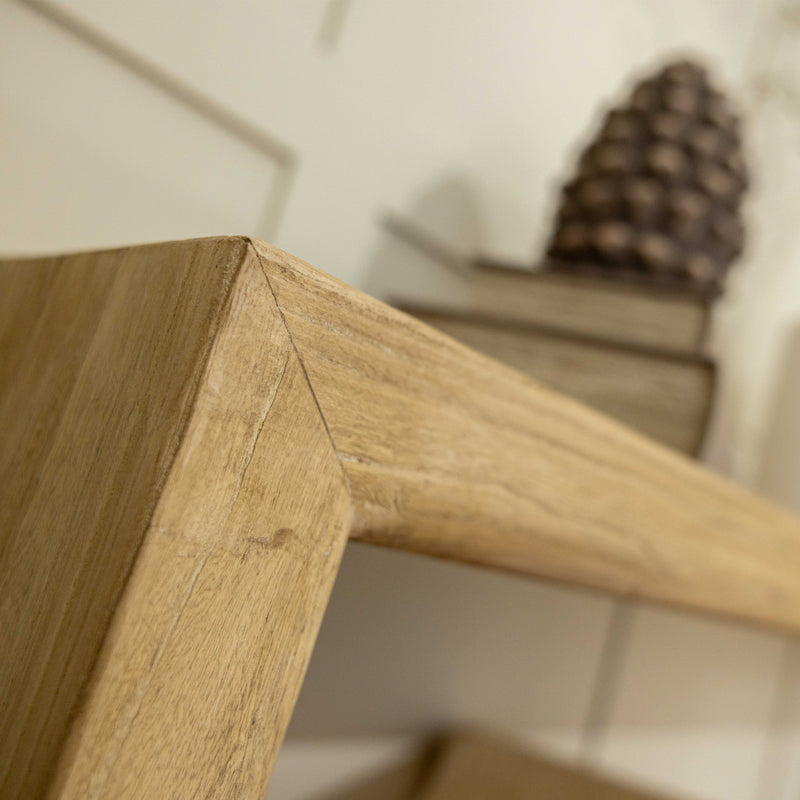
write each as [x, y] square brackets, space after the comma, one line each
[464, 116]
[94, 156]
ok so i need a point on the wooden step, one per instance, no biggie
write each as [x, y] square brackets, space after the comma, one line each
[596, 304]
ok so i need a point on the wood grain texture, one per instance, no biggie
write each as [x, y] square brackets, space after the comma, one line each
[666, 396]
[49, 315]
[214, 560]
[451, 454]
[201, 668]
[197, 428]
[102, 371]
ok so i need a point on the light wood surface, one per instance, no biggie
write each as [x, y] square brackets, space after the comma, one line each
[214, 558]
[101, 368]
[205, 658]
[449, 453]
[196, 429]
[666, 396]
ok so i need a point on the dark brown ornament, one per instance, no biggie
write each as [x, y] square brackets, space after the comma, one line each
[659, 191]
[644, 200]
[598, 197]
[612, 240]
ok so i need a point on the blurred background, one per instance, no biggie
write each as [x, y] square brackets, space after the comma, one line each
[328, 127]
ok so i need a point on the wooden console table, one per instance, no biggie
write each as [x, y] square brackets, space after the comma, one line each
[192, 431]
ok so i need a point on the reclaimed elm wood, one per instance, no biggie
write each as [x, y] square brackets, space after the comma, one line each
[452, 454]
[99, 379]
[201, 670]
[159, 496]
[193, 430]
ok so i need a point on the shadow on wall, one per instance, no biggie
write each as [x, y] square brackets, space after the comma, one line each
[779, 473]
[449, 212]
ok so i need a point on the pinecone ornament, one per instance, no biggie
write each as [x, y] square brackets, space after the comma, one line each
[658, 192]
